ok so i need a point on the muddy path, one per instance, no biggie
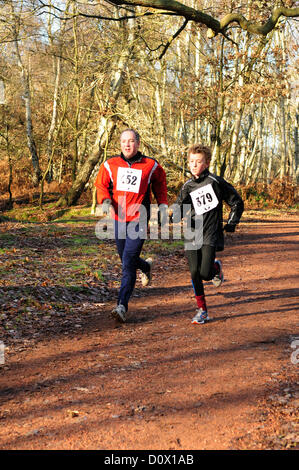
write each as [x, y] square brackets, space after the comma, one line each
[159, 382]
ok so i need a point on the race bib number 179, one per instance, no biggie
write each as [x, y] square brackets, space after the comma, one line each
[204, 199]
[128, 179]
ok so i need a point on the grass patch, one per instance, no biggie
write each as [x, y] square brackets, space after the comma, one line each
[74, 213]
[49, 213]
[21, 214]
[79, 240]
[89, 250]
[98, 274]
[6, 239]
[77, 266]
[163, 246]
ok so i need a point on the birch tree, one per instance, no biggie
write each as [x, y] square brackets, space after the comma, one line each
[15, 29]
[109, 116]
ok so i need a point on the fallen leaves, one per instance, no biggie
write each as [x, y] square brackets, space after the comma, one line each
[54, 277]
[279, 417]
[73, 413]
[41, 288]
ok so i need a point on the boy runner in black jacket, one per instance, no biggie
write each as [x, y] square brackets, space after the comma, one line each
[205, 193]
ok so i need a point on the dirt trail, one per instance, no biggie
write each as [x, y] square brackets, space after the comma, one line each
[159, 382]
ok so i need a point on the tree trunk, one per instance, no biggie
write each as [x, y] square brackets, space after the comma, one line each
[107, 121]
[258, 165]
[27, 99]
[49, 171]
[159, 98]
[216, 162]
[284, 155]
[296, 137]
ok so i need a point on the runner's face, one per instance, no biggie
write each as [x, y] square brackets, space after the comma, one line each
[128, 144]
[197, 163]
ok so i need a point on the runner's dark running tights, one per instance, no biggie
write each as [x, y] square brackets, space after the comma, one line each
[201, 266]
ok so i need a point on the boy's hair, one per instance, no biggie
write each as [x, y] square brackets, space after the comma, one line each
[137, 136]
[199, 148]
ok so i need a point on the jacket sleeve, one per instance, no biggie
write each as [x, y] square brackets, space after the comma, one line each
[102, 183]
[235, 202]
[159, 185]
[183, 198]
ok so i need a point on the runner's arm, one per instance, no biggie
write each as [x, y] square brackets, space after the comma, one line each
[235, 202]
[159, 185]
[183, 198]
[102, 183]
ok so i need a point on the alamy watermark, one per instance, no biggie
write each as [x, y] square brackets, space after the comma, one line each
[165, 223]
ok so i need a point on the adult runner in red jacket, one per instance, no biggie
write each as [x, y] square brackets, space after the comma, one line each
[124, 185]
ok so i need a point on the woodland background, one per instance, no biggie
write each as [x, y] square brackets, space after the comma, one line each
[73, 75]
[76, 73]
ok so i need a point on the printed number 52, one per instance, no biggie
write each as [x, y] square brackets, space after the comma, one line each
[131, 179]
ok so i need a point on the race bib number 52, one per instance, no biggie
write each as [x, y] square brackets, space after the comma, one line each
[128, 179]
[204, 199]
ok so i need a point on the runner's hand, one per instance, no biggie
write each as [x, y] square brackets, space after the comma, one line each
[106, 206]
[163, 214]
[108, 209]
[170, 214]
[229, 228]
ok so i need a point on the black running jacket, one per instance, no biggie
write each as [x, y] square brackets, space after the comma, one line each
[206, 194]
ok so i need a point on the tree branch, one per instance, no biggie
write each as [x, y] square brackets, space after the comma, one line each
[95, 15]
[215, 26]
[257, 28]
[190, 14]
[172, 39]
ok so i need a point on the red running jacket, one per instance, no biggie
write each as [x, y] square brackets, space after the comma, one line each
[128, 183]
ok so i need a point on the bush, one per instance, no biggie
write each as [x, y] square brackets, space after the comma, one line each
[279, 193]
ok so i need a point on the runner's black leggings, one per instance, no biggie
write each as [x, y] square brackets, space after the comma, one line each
[201, 265]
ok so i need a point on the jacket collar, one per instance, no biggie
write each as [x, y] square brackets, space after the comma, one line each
[134, 159]
[202, 176]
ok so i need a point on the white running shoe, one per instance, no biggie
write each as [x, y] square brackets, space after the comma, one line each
[119, 313]
[147, 277]
[218, 278]
[200, 317]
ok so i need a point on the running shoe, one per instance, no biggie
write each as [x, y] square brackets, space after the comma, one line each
[200, 317]
[147, 277]
[119, 313]
[218, 278]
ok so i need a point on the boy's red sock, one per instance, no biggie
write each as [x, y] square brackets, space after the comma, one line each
[217, 268]
[201, 301]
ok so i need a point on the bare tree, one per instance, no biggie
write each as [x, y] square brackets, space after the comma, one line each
[15, 27]
[109, 116]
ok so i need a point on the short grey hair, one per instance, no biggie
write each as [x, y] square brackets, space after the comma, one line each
[137, 136]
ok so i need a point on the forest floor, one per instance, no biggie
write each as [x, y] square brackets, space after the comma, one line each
[75, 379]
